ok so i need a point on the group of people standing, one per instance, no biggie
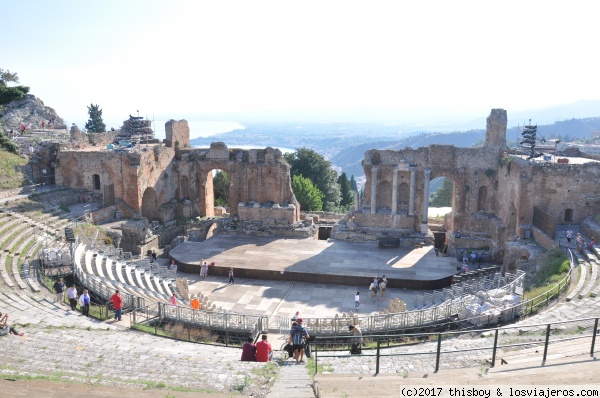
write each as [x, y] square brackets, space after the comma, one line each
[84, 299]
[474, 258]
[579, 242]
[376, 286]
[74, 298]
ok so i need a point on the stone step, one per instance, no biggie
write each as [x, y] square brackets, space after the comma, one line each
[580, 282]
[293, 382]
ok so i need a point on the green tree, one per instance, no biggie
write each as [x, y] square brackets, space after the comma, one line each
[346, 192]
[9, 94]
[221, 183]
[95, 124]
[353, 185]
[307, 194]
[311, 165]
[443, 196]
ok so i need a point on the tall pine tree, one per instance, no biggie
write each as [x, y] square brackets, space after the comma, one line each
[347, 195]
[95, 124]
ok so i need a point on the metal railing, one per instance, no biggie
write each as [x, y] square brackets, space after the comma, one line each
[428, 345]
[232, 327]
[440, 314]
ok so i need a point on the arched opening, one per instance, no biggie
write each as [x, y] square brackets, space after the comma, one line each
[482, 200]
[384, 196]
[221, 184]
[441, 191]
[216, 193]
[96, 181]
[568, 215]
[150, 205]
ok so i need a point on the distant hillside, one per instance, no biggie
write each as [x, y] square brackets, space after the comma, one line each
[30, 111]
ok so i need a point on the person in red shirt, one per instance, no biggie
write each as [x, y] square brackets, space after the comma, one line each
[118, 304]
[264, 352]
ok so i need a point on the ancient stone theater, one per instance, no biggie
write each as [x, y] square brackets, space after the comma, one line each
[499, 194]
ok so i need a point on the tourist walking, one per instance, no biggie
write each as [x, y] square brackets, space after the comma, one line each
[357, 300]
[231, 281]
[382, 287]
[173, 300]
[204, 270]
[117, 304]
[296, 316]
[59, 290]
[84, 303]
[173, 266]
[298, 337]
[569, 236]
[373, 290]
[72, 296]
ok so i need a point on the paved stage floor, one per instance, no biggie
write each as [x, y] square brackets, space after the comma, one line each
[283, 298]
[362, 260]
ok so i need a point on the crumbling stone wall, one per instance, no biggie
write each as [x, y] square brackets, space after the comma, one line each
[177, 132]
[494, 191]
[148, 177]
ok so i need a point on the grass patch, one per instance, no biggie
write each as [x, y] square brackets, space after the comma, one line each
[321, 367]
[552, 270]
[10, 170]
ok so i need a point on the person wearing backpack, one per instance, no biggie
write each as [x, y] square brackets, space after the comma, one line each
[298, 337]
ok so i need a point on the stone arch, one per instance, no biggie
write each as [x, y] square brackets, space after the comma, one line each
[384, 195]
[96, 181]
[150, 205]
[482, 199]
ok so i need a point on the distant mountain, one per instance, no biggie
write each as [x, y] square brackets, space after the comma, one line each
[344, 144]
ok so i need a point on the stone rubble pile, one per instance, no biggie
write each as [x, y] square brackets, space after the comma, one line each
[488, 307]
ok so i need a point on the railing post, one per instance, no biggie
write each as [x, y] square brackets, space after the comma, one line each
[439, 349]
[546, 343]
[594, 337]
[378, 356]
[495, 347]
[316, 353]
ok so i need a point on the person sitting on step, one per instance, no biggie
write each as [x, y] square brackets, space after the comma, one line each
[6, 329]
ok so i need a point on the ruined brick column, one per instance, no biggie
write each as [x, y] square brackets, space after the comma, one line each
[413, 185]
[395, 191]
[427, 175]
[374, 189]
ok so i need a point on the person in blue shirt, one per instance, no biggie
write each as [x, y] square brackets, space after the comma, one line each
[298, 337]
[84, 303]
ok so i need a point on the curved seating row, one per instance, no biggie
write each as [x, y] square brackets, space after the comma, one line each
[137, 279]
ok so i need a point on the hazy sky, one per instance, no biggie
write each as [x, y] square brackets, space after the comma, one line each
[183, 58]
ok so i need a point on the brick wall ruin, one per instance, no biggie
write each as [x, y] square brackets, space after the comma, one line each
[148, 178]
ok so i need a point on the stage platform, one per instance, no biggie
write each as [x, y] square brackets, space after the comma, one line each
[317, 261]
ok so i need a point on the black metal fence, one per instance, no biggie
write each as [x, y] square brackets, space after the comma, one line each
[440, 345]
